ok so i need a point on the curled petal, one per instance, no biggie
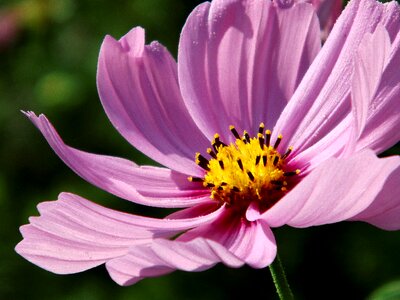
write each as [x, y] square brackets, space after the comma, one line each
[139, 90]
[73, 234]
[150, 186]
[239, 62]
[252, 242]
[337, 190]
[164, 256]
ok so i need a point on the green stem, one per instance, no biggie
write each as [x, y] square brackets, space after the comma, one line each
[280, 281]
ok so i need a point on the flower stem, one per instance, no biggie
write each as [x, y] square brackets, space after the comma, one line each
[280, 281]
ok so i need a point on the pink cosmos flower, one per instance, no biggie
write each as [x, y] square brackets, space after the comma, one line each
[288, 134]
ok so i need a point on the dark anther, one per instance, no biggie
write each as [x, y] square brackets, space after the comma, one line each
[289, 150]
[235, 189]
[267, 138]
[210, 185]
[261, 140]
[217, 143]
[234, 132]
[239, 162]
[251, 176]
[246, 136]
[196, 179]
[261, 128]
[264, 160]
[277, 182]
[276, 159]
[258, 157]
[291, 173]
[202, 161]
[221, 164]
[212, 153]
[278, 141]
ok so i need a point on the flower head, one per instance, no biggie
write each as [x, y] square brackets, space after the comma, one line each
[257, 127]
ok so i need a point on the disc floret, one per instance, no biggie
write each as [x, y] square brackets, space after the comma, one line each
[249, 169]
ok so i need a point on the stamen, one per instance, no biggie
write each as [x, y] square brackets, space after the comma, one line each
[202, 161]
[261, 140]
[278, 141]
[289, 150]
[264, 160]
[267, 137]
[277, 182]
[251, 176]
[258, 157]
[276, 159]
[217, 143]
[261, 128]
[292, 173]
[234, 132]
[221, 164]
[235, 189]
[246, 136]
[212, 153]
[195, 179]
[239, 162]
[210, 185]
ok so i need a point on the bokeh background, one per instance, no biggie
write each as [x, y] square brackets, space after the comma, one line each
[48, 57]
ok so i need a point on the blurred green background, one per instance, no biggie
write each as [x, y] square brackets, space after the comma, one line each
[48, 57]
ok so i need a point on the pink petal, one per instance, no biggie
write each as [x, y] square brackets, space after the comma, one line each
[164, 256]
[140, 262]
[252, 242]
[253, 212]
[384, 212]
[139, 90]
[73, 229]
[328, 11]
[322, 100]
[370, 63]
[144, 185]
[378, 110]
[337, 190]
[239, 62]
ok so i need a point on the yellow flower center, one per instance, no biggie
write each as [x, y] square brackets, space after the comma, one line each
[250, 169]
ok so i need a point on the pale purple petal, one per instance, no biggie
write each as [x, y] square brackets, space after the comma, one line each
[369, 64]
[322, 100]
[379, 111]
[336, 191]
[139, 90]
[140, 262]
[150, 186]
[328, 11]
[239, 62]
[253, 211]
[252, 242]
[384, 212]
[73, 234]
[164, 256]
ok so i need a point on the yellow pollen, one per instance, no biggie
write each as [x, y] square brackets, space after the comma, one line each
[249, 169]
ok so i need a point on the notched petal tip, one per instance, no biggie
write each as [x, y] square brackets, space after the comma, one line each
[284, 3]
[133, 42]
